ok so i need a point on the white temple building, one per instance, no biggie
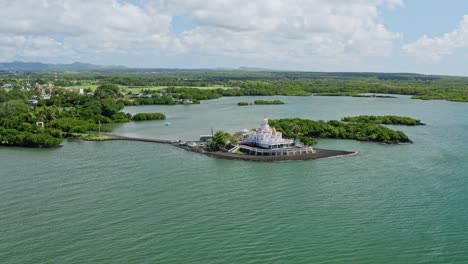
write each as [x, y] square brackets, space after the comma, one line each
[267, 137]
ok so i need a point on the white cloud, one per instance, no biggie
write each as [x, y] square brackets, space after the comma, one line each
[433, 49]
[14, 47]
[391, 3]
[85, 28]
[279, 29]
[285, 29]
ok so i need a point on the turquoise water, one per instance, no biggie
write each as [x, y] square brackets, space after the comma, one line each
[133, 202]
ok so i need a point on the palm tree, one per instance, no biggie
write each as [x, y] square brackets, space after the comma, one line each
[219, 140]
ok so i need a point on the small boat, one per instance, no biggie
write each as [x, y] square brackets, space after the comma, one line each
[167, 123]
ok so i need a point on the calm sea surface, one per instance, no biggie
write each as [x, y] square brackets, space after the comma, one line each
[132, 202]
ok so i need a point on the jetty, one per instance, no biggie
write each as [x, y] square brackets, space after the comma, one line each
[151, 140]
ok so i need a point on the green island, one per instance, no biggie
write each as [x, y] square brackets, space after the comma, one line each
[262, 144]
[385, 120]
[374, 96]
[261, 102]
[307, 131]
[37, 122]
[266, 102]
[354, 94]
[294, 139]
[148, 116]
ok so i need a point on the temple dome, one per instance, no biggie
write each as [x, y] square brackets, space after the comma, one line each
[267, 137]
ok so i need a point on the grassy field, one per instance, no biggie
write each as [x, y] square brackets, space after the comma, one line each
[94, 137]
[156, 88]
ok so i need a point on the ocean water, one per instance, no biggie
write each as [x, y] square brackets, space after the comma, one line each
[136, 202]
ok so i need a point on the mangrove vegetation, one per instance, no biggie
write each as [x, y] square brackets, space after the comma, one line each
[307, 131]
[148, 116]
[266, 102]
[385, 120]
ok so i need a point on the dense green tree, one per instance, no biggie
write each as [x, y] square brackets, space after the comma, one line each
[266, 102]
[14, 109]
[107, 91]
[47, 113]
[72, 125]
[148, 116]
[307, 130]
[219, 140]
[308, 141]
[109, 107]
[386, 120]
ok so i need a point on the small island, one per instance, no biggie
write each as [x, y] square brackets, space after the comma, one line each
[262, 144]
[374, 96]
[385, 120]
[354, 94]
[267, 143]
[148, 116]
[307, 130]
[266, 102]
[261, 102]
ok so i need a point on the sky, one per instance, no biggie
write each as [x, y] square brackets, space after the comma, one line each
[421, 36]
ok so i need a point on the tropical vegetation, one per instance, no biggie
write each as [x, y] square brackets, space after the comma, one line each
[43, 123]
[386, 120]
[167, 86]
[148, 116]
[309, 130]
[266, 102]
[221, 140]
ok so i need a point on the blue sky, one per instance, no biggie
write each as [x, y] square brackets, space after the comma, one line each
[431, 17]
[423, 36]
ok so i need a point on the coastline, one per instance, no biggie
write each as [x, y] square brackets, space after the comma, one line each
[319, 154]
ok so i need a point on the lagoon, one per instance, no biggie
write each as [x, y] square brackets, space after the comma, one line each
[121, 202]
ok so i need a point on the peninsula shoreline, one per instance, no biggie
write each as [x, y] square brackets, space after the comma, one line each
[319, 154]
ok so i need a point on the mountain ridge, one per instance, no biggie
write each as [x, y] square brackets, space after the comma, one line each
[35, 66]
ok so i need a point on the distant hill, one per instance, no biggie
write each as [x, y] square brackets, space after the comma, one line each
[254, 73]
[39, 66]
[254, 69]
